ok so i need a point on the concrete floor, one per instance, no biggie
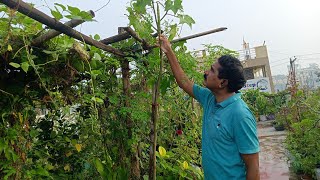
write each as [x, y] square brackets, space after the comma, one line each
[273, 161]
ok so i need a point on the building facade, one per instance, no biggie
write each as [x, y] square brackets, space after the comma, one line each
[256, 64]
[308, 77]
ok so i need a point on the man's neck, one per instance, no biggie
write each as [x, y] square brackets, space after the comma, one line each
[221, 96]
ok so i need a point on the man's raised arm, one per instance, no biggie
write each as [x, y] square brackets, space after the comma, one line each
[183, 81]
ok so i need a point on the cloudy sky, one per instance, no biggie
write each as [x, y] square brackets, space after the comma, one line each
[288, 27]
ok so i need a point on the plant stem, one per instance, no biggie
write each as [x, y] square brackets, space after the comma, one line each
[155, 96]
[6, 92]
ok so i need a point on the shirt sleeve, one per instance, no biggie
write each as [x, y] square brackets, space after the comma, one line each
[245, 135]
[201, 94]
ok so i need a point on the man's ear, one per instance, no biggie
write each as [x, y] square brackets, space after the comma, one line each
[224, 83]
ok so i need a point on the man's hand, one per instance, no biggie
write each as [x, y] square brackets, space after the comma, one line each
[165, 44]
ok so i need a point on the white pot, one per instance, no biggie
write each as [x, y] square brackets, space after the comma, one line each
[262, 117]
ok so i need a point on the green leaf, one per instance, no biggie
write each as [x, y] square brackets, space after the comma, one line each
[140, 6]
[174, 6]
[14, 156]
[41, 171]
[57, 15]
[173, 31]
[177, 6]
[60, 5]
[9, 48]
[95, 73]
[25, 66]
[33, 133]
[99, 100]
[7, 153]
[100, 167]
[168, 5]
[93, 64]
[73, 17]
[67, 139]
[162, 151]
[96, 99]
[2, 145]
[16, 65]
[74, 10]
[96, 37]
[186, 19]
[113, 99]
[9, 172]
[85, 15]
[96, 57]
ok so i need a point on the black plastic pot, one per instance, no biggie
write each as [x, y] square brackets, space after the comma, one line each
[279, 127]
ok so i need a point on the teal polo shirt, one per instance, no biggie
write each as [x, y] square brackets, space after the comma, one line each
[228, 130]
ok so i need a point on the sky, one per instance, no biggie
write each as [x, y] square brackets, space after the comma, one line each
[288, 27]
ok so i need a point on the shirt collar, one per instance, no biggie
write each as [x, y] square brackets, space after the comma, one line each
[230, 100]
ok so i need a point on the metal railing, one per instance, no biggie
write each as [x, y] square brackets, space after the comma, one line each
[247, 54]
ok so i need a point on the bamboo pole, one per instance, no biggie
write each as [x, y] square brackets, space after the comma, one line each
[122, 36]
[53, 33]
[37, 15]
[187, 37]
[199, 34]
[116, 38]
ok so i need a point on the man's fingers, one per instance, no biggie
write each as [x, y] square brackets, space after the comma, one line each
[162, 37]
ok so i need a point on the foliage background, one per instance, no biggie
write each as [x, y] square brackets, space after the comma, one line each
[63, 109]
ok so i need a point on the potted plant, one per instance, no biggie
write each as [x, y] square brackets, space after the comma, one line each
[261, 105]
[279, 125]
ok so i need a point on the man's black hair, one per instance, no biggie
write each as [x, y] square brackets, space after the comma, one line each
[232, 70]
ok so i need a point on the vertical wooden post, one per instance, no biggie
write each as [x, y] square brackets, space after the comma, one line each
[125, 69]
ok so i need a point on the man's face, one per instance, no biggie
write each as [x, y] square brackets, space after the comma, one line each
[211, 80]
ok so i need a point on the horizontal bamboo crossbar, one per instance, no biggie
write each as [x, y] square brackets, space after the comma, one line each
[53, 33]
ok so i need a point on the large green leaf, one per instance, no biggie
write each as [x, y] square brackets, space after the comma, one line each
[186, 19]
[56, 14]
[25, 66]
[60, 5]
[100, 167]
[16, 65]
[73, 10]
[85, 16]
[173, 31]
[96, 57]
[140, 5]
[173, 5]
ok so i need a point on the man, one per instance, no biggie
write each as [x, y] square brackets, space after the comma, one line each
[230, 146]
